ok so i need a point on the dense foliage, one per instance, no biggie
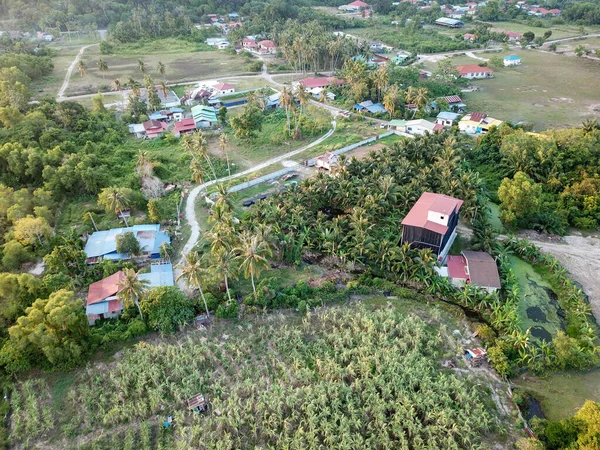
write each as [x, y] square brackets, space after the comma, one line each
[551, 179]
[340, 379]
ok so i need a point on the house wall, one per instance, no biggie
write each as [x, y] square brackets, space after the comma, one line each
[477, 75]
[421, 238]
[452, 223]
[437, 217]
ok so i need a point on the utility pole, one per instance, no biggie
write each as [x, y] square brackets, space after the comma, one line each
[92, 217]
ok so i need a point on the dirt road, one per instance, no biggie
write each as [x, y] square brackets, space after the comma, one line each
[580, 255]
[61, 92]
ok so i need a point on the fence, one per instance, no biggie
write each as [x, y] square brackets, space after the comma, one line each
[268, 177]
[313, 161]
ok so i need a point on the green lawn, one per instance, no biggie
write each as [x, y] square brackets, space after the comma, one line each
[495, 218]
[561, 394]
[558, 31]
[547, 90]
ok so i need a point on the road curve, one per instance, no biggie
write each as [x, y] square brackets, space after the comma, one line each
[190, 210]
[61, 92]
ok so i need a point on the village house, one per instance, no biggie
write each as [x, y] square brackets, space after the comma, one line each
[311, 83]
[184, 126]
[249, 43]
[103, 244]
[154, 128]
[204, 116]
[223, 89]
[446, 118]
[267, 47]
[512, 60]
[473, 71]
[513, 36]
[103, 301]
[455, 103]
[354, 7]
[421, 127]
[327, 161]
[218, 42]
[431, 223]
[370, 107]
[470, 37]
[397, 124]
[477, 123]
[450, 23]
[474, 268]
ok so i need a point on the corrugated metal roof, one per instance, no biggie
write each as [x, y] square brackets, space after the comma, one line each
[104, 243]
[160, 275]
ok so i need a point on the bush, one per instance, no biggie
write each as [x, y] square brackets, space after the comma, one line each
[106, 48]
[227, 310]
[167, 308]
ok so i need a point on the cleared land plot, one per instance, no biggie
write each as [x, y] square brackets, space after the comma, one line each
[547, 90]
[558, 31]
[562, 394]
[365, 150]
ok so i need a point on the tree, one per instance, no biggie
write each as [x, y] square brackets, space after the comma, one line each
[115, 199]
[547, 34]
[528, 36]
[167, 308]
[82, 67]
[580, 50]
[127, 244]
[552, 47]
[286, 101]
[252, 256]
[31, 230]
[55, 328]
[141, 66]
[589, 424]
[153, 99]
[223, 141]
[161, 68]
[102, 67]
[249, 123]
[223, 115]
[98, 103]
[193, 270]
[391, 99]
[68, 258]
[224, 265]
[132, 289]
[520, 199]
[496, 61]
[14, 254]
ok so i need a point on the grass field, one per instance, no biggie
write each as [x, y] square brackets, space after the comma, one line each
[562, 394]
[558, 31]
[184, 62]
[547, 90]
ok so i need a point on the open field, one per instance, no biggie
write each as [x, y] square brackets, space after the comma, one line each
[547, 90]
[183, 63]
[558, 31]
[337, 364]
[562, 394]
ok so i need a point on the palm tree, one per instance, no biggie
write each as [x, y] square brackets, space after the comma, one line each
[118, 86]
[223, 141]
[132, 289]
[161, 68]
[117, 200]
[141, 66]
[82, 67]
[164, 89]
[286, 100]
[303, 99]
[192, 270]
[590, 125]
[380, 79]
[102, 67]
[224, 265]
[252, 254]
[391, 99]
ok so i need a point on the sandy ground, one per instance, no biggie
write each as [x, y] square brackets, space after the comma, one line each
[580, 255]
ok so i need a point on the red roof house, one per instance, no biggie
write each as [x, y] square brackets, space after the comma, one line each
[476, 268]
[154, 128]
[184, 126]
[249, 43]
[358, 4]
[474, 71]
[431, 223]
[469, 37]
[102, 301]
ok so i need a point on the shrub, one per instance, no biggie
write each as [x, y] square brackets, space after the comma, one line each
[227, 310]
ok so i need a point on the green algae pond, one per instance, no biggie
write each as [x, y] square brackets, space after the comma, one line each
[539, 308]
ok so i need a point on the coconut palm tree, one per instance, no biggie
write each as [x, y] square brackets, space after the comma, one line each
[102, 67]
[141, 66]
[380, 79]
[132, 289]
[164, 89]
[223, 141]
[82, 67]
[117, 200]
[193, 269]
[252, 256]
[286, 101]
[392, 97]
[303, 98]
[224, 265]
[161, 68]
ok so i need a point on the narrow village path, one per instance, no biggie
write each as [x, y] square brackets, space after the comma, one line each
[61, 92]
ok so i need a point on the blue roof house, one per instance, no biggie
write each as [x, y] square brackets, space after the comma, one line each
[159, 275]
[512, 60]
[103, 244]
[369, 106]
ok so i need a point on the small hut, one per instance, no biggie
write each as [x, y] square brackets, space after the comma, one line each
[197, 403]
[476, 356]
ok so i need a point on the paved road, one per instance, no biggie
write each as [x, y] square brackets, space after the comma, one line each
[574, 38]
[61, 92]
[190, 211]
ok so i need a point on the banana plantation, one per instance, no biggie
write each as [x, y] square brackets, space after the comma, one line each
[339, 378]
